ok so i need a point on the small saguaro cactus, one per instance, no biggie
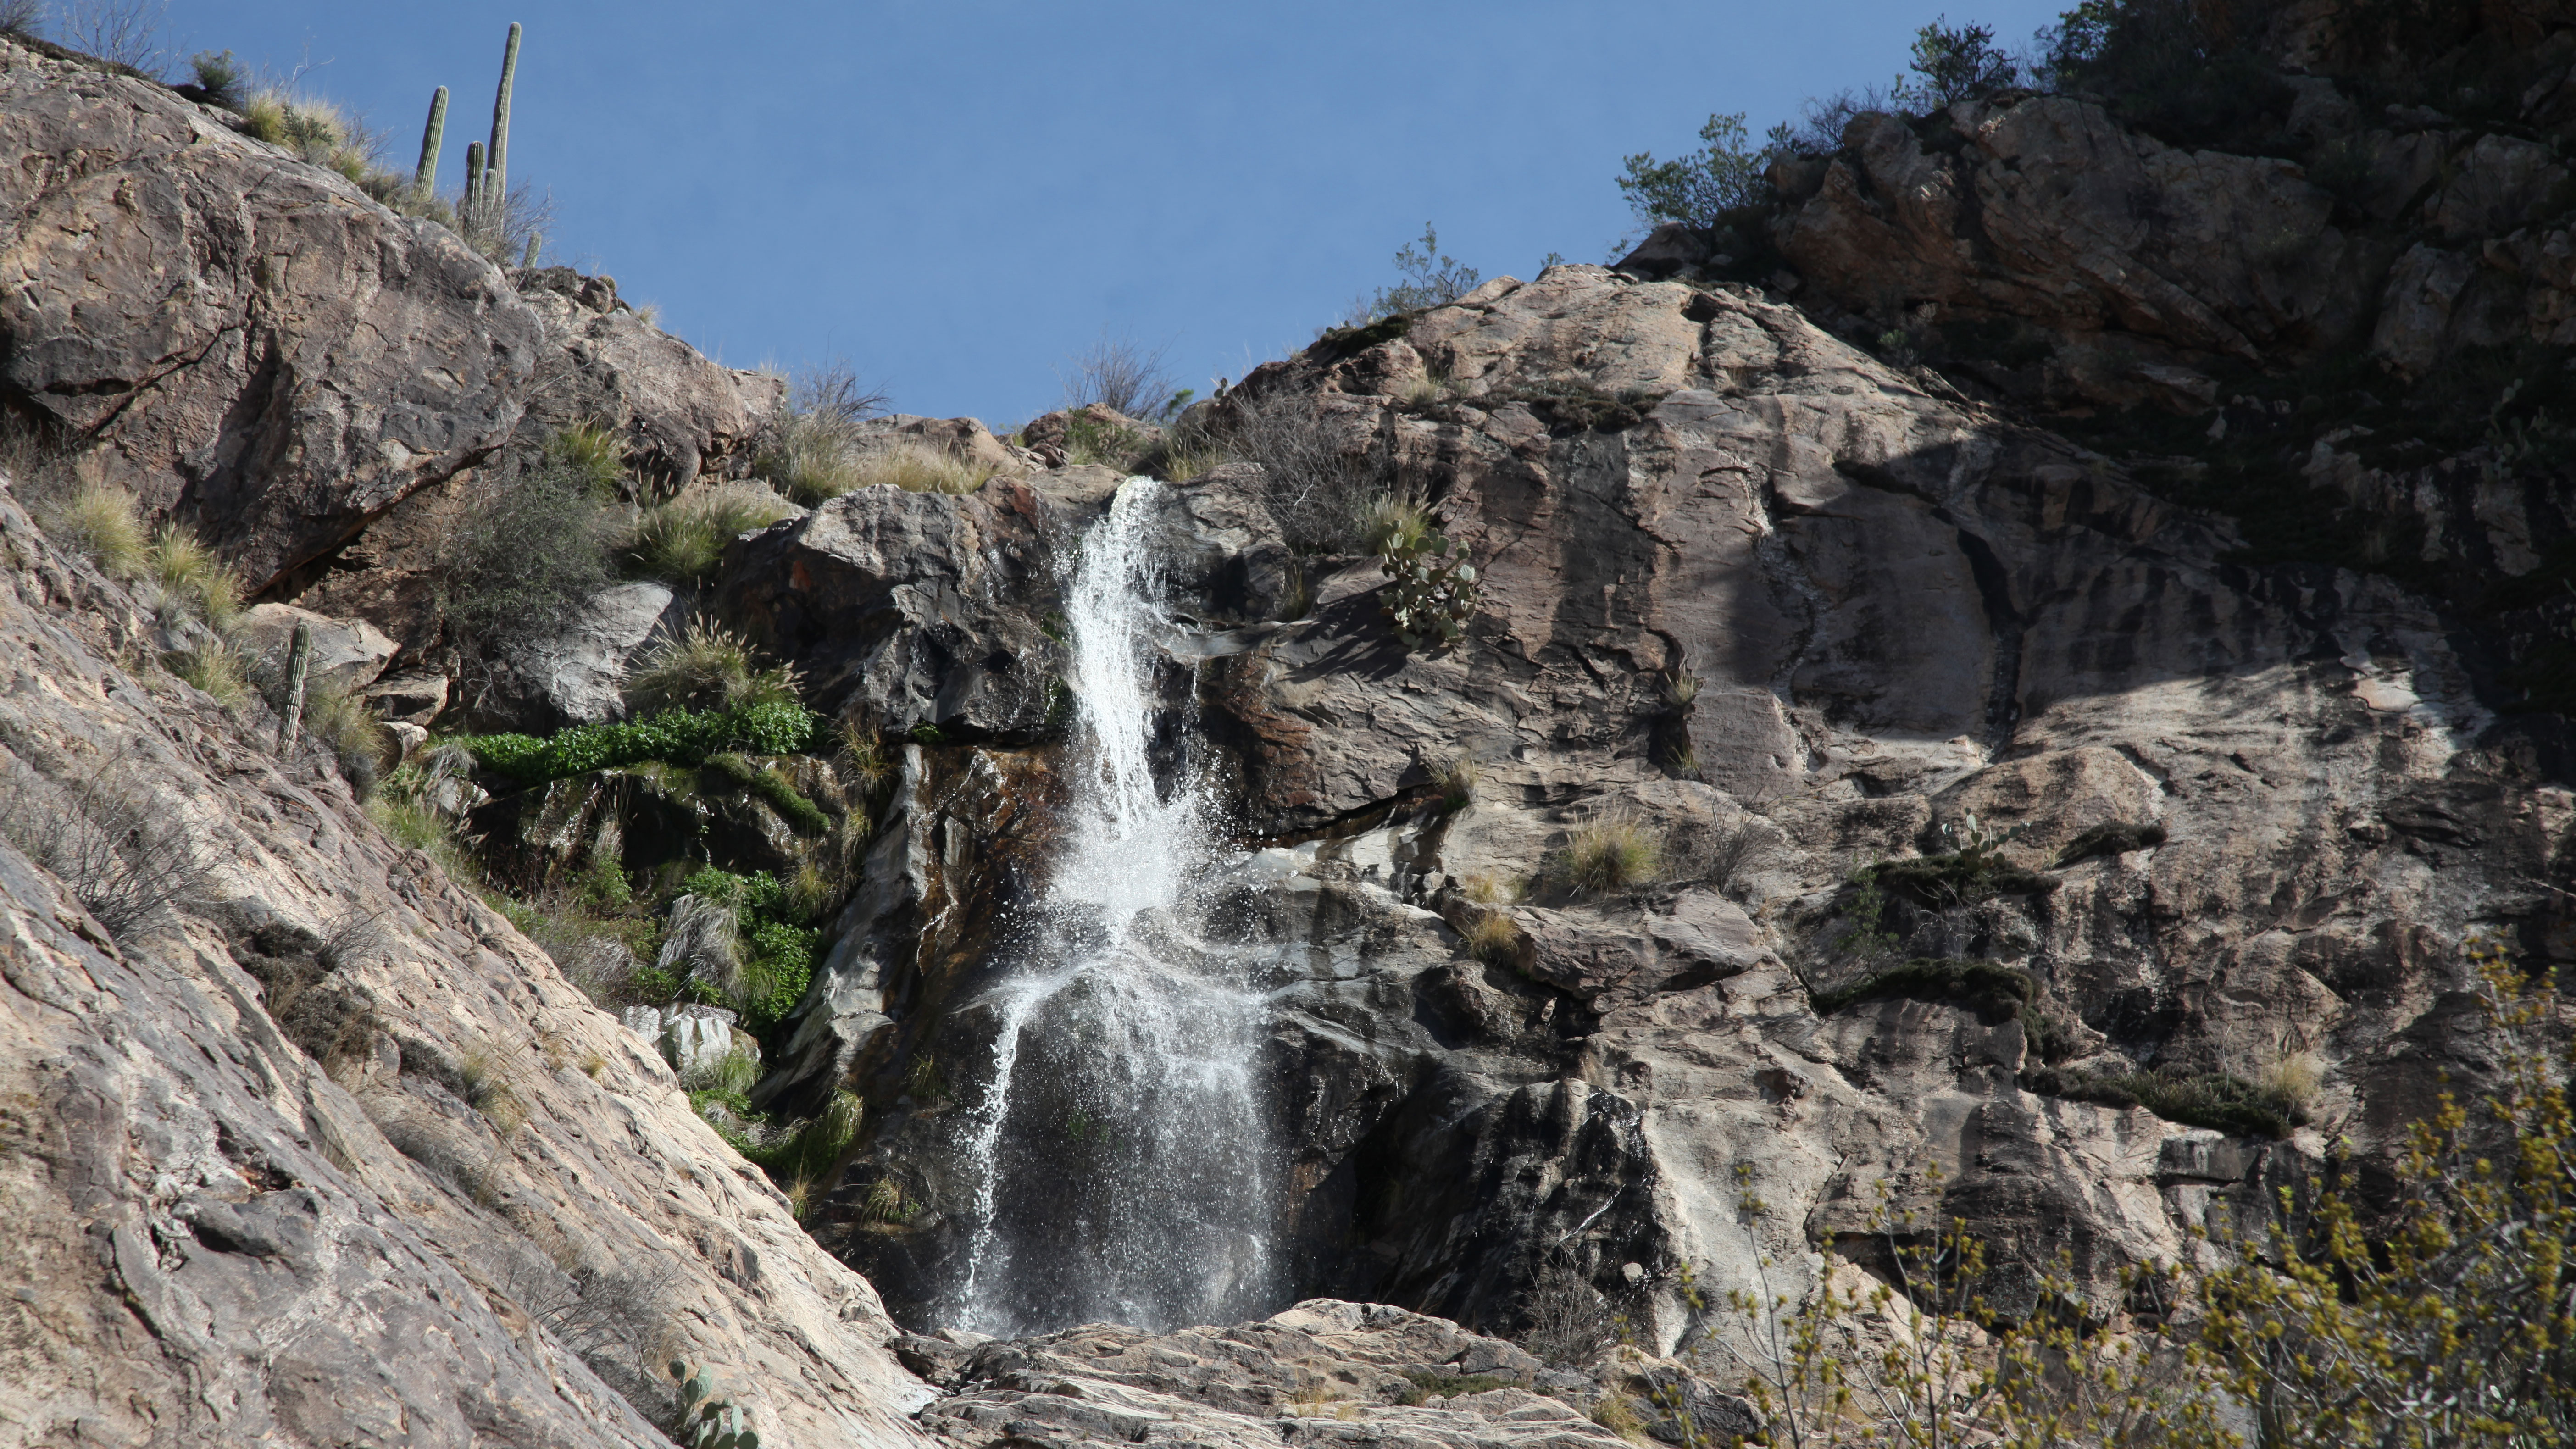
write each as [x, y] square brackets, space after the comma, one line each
[425, 180]
[496, 184]
[707, 1422]
[473, 179]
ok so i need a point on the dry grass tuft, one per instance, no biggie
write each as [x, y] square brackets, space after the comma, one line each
[102, 522]
[917, 468]
[1492, 937]
[212, 664]
[1611, 852]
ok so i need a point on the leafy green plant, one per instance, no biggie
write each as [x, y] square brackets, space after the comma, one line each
[677, 737]
[1955, 63]
[219, 77]
[1699, 189]
[1434, 587]
[707, 1421]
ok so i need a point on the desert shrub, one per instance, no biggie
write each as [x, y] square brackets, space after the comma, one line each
[1189, 451]
[1953, 63]
[1491, 937]
[22, 17]
[683, 541]
[1430, 279]
[1455, 779]
[491, 1072]
[1125, 377]
[1973, 870]
[1699, 189]
[1565, 1320]
[316, 131]
[219, 76]
[1612, 851]
[600, 1311]
[1315, 486]
[2113, 838]
[2200, 1099]
[708, 667]
[1090, 438]
[127, 32]
[1618, 1413]
[813, 452]
[531, 551]
[2189, 72]
[125, 856]
[676, 737]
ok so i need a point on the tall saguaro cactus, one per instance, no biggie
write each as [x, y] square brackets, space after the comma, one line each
[496, 184]
[425, 180]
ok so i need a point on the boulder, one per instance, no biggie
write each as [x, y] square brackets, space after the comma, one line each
[681, 416]
[256, 346]
[575, 674]
[347, 655]
[914, 609]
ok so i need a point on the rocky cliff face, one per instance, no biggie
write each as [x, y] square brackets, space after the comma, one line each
[2039, 845]
[1897, 609]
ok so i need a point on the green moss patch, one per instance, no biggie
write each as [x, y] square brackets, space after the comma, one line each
[772, 787]
[1943, 881]
[2199, 1099]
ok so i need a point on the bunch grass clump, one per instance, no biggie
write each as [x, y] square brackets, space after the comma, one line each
[683, 541]
[1611, 852]
[213, 664]
[192, 577]
[920, 468]
[591, 453]
[101, 521]
[708, 667]
[815, 450]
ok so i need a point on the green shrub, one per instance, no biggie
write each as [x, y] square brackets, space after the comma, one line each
[1090, 439]
[1430, 279]
[1433, 588]
[678, 737]
[1698, 190]
[342, 724]
[220, 76]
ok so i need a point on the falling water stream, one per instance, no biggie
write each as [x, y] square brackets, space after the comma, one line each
[1120, 1147]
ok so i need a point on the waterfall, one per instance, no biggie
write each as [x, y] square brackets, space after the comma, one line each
[1121, 1147]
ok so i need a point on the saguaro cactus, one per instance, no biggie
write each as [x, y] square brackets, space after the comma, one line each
[473, 211]
[425, 180]
[497, 181]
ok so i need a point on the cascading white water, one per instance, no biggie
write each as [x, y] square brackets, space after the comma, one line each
[1121, 1146]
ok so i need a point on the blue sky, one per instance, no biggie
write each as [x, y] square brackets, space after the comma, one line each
[959, 196]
